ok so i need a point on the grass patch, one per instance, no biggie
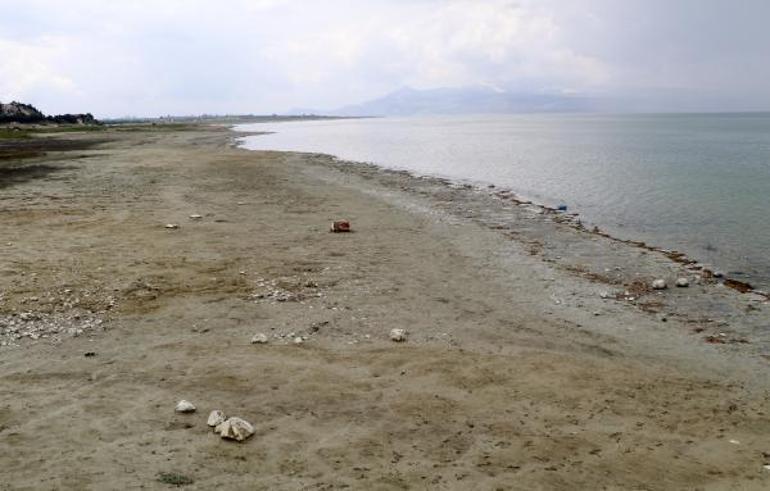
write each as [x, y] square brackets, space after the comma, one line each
[11, 134]
[154, 127]
[71, 129]
[174, 479]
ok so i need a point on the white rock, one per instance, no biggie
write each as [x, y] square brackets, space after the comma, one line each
[398, 335]
[235, 429]
[298, 340]
[682, 282]
[216, 418]
[659, 284]
[184, 406]
[605, 294]
[259, 338]
[195, 216]
[172, 225]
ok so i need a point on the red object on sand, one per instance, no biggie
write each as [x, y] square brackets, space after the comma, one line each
[341, 226]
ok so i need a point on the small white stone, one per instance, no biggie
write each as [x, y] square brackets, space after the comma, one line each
[259, 338]
[298, 340]
[216, 418]
[195, 216]
[605, 294]
[235, 429]
[659, 284]
[172, 225]
[398, 335]
[682, 282]
[184, 406]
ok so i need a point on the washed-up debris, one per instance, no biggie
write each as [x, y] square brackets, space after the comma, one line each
[259, 338]
[185, 406]
[659, 284]
[89, 354]
[172, 226]
[216, 418]
[340, 226]
[195, 216]
[682, 282]
[235, 429]
[398, 335]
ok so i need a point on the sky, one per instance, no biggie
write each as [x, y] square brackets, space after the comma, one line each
[154, 57]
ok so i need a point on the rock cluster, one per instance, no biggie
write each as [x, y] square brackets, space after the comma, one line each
[233, 428]
[15, 328]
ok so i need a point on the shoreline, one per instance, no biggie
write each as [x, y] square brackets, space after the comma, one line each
[572, 219]
[568, 219]
[516, 368]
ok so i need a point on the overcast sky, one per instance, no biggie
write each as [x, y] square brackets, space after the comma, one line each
[154, 57]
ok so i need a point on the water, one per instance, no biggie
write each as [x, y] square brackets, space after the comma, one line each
[696, 183]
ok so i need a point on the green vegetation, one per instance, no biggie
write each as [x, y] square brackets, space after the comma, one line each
[174, 479]
[11, 134]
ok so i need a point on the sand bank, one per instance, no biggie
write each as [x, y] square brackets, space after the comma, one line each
[518, 372]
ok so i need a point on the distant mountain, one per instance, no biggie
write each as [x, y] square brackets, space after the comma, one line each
[473, 100]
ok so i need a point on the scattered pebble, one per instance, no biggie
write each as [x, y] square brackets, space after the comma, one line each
[216, 418]
[259, 338]
[605, 295]
[735, 442]
[195, 216]
[235, 429]
[398, 335]
[172, 225]
[659, 284]
[682, 282]
[297, 340]
[184, 406]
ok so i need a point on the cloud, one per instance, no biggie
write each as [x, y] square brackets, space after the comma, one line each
[191, 56]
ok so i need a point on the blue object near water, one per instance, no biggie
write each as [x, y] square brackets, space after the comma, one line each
[562, 207]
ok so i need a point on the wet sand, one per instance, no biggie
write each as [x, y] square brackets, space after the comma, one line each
[537, 358]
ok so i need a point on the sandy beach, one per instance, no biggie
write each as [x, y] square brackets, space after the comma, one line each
[537, 355]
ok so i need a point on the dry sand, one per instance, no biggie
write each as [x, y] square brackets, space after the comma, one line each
[517, 374]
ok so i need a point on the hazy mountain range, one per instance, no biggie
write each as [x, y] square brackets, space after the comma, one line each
[470, 100]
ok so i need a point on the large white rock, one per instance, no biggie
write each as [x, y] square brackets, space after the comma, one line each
[184, 406]
[682, 282]
[235, 429]
[659, 284]
[216, 418]
[259, 338]
[398, 335]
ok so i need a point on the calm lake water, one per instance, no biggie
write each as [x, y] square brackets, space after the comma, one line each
[695, 183]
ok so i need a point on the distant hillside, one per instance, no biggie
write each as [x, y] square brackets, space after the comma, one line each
[474, 100]
[19, 113]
